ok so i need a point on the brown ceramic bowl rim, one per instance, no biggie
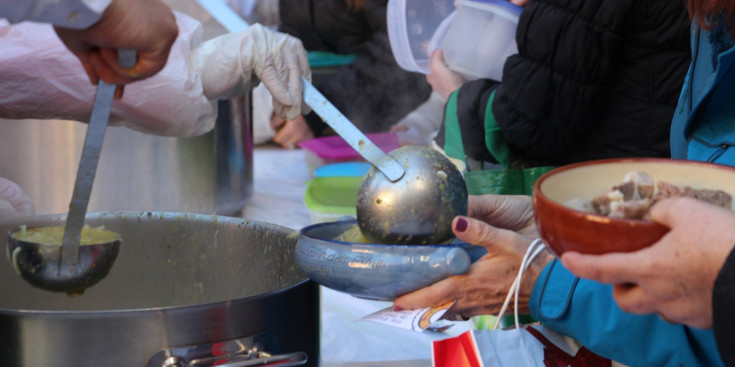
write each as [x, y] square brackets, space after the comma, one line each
[537, 193]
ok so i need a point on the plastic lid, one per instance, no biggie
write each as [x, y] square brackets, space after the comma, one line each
[333, 194]
[411, 27]
[335, 148]
[353, 169]
[501, 7]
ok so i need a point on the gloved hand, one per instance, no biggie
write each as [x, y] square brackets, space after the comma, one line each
[13, 200]
[229, 64]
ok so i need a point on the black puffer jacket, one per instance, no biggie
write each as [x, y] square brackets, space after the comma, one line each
[592, 79]
[373, 92]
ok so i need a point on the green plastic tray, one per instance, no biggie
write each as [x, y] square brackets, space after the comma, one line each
[336, 195]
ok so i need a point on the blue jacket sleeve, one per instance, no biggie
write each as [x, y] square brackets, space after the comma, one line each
[586, 311]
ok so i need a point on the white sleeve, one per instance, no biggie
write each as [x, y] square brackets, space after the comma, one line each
[78, 14]
[41, 79]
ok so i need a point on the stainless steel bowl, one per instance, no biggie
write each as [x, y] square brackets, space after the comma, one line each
[375, 271]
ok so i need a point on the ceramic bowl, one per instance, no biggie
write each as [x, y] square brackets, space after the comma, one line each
[566, 229]
[375, 271]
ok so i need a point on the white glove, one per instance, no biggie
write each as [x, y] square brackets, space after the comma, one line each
[229, 64]
[13, 200]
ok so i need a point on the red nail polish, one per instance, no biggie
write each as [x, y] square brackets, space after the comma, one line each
[397, 308]
[461, 225]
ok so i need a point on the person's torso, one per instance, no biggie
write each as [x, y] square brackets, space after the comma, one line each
[614, 67]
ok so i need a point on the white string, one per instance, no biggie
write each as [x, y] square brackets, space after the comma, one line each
[525, 266]
[533, 250]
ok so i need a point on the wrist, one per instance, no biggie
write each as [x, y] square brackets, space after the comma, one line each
[534, 271]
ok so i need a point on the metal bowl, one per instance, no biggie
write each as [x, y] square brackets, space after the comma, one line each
[377, 271]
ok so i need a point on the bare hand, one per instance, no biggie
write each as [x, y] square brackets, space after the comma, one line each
[520, 2]
[290, 132]
[504, 226]
[442, 79]
[675, 276]
[147, 26]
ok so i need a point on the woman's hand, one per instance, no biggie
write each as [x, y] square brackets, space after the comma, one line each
[504, 226]
[442, 79]
[511, 212]
[675, 276]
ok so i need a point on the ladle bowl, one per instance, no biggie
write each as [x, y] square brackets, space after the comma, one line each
[418, 208]
[41, 266]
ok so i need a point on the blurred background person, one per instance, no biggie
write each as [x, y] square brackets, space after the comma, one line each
[373, 91]
[590, 80]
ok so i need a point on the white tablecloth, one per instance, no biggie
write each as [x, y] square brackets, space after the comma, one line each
[280, 179]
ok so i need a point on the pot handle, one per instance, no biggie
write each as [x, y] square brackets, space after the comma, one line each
[282, 360]
[241, 352]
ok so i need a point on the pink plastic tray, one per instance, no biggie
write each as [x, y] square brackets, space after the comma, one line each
[334, 148]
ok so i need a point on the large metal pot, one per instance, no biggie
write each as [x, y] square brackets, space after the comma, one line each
[207, 174]
[185, 290]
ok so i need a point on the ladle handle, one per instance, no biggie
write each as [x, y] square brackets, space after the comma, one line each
[88, 163]
[351, 134]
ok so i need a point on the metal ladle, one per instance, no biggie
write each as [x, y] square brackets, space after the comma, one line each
[409, 196]
[72, 267]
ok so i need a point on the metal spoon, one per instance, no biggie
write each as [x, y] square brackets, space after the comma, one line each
[72, 268]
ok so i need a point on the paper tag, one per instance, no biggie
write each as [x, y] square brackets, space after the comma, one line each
[414, 320]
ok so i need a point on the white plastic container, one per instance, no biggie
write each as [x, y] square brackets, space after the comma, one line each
[481, 37]
[414, 30]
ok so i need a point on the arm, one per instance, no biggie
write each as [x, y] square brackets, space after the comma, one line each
[43, 80]
[47, 82]
[586, 311]
[582, 309]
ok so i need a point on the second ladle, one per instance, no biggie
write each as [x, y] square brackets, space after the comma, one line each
[411, 194]
[72, 267]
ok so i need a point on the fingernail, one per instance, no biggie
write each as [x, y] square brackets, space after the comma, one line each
[461, 225]
[397, 308]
